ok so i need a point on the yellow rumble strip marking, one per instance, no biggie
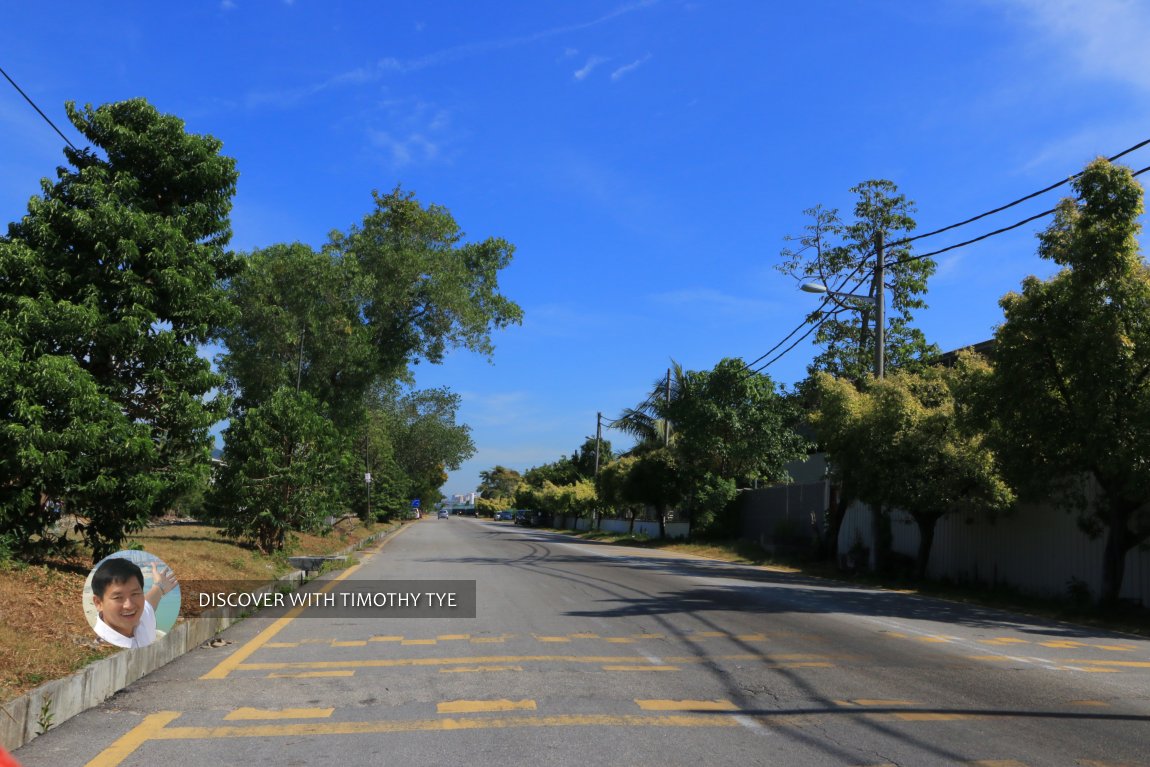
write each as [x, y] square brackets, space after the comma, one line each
[408, 642]
[620, 640]
[453, 637]
[927, 716]
[350, 643]
[752, 637]
[1064, 644]
[299, 729]
[637, 636]
[311, 675]
[686, 705]
[483, 706]
[233, 661]
[585, 635]
[282, 644]
[133, 739]
[249, 714]
[386, 639]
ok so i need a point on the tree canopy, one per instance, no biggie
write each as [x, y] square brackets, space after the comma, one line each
[1070, 385]
[112, 279]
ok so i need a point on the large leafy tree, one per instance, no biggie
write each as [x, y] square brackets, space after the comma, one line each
[281, 471]
[428, 440]
[425, 290]
[299, 325]
[499, 482]
[118, 267]
[840, 254]
[1070, 387]
[901, 443]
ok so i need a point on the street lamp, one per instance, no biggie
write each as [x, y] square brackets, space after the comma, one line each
[876, 299]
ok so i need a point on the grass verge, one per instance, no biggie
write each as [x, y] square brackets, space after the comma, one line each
[43, 632]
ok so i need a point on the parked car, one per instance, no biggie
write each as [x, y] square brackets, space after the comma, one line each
[520, 517]
[504, 515]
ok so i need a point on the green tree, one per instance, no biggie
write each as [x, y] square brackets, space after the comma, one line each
[299, 325]
[425, 290]
[1070, 387]
[901, 443]
[498, 483]
[836, 252]
[281, 464]
[118, 266]
[428, 441]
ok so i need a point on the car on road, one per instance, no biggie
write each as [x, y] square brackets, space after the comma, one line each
[443, 514]
[504, 516]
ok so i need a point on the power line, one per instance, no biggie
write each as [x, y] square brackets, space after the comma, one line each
[1019, 201]
[995, 232]
[38, 110]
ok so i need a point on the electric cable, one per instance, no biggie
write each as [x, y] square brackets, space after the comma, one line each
[38, 110]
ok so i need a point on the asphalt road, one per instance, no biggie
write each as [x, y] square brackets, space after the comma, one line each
[589, 654]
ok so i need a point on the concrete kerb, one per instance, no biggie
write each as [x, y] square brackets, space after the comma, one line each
[30, 715]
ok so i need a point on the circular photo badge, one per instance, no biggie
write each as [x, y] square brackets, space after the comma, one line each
[131, 599]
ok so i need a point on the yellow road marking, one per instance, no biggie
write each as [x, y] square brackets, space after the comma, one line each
[282, 644]
[487, 640]
[1121, 663]
[477, 669]
[585, 635]
[504, 659]
[751, 637]
[640, 668]
[386, 639]
[127, 743]
[895, 634]
[686, 705]
[875, 702]
[620, 640]
[349, 643]
[298, 729]
[452, 637]
[229, 664]
[1063, 644]
[707, 635]
[483, 706]
[551, 639]
[249, 714]
[930, 716]
[1116, 647]
[1004, 640]
[637, 636]
[990, 657]
[407, 642]
[311, 675]
[933, 640]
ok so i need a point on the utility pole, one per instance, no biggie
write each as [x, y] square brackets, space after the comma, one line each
[879, 308]
[598, 439]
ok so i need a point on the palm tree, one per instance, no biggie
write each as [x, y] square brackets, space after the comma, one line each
[649, 423]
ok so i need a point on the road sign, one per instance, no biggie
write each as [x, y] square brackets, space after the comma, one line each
[415, 503]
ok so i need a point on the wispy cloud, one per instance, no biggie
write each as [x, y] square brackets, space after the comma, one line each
[592, 62]
[390, 65]
[228, 5]
[627, 69]
[415, 132]
[1105, 37]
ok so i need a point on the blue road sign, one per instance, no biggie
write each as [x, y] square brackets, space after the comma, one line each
[415, 503]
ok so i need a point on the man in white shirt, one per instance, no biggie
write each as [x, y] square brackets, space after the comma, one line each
[126, 615]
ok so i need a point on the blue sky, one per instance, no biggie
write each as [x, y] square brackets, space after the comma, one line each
[647, 159]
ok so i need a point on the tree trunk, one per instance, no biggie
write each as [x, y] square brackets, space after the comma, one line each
[836, 513]
[880, 530]
[926, 524]
[1118, 542]
[662, 524]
